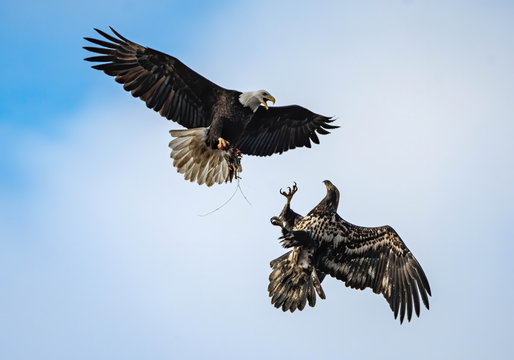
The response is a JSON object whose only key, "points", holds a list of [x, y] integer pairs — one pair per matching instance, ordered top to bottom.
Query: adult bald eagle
{"points": [[222, 124], [323, 243]]}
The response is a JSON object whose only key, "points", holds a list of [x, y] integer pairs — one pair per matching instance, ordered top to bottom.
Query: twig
{"points": [[230, 198]]}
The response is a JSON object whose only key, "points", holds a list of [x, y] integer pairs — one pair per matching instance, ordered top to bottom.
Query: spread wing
{"points": [[162, 81], [282, 128], [376, 258]]}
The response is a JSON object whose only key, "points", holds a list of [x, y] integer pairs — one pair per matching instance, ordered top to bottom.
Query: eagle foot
{"points": [[223, 144], [291, 191], [275, 220]]}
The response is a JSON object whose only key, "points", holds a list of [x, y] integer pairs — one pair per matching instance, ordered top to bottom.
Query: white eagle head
{"points": [[253, 99]]}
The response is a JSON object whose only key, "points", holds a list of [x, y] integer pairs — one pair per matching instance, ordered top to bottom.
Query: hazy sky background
{"points": [[103, 254]]}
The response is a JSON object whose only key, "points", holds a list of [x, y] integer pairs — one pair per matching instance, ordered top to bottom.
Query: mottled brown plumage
{"points": [[324, 243]]}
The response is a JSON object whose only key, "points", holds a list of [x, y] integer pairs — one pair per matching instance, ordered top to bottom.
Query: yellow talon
{"points": [[223, 144], [290, 193]]}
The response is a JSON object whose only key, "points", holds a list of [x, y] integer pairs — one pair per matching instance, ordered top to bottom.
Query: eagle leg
{"points": [[223, 144], [235, 162], [234, 170], [290, 192], [275, 220], [317, 284]]}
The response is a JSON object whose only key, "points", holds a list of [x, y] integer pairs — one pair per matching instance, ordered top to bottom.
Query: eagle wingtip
{"points": [[118, 34]]}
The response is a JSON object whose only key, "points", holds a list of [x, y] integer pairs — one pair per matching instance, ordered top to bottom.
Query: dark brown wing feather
{"points": [[162, 81], [282, 128], [376, 258]]}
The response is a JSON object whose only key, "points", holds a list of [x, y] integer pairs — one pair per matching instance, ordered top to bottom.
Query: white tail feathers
{"points": [[198, 162]]}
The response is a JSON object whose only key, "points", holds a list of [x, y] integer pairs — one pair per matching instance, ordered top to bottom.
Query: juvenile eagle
{"points": [[221, 124], [323, 243]]}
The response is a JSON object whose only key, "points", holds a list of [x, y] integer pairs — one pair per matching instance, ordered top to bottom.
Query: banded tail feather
{"points": [[198, 162], [293, 282]]}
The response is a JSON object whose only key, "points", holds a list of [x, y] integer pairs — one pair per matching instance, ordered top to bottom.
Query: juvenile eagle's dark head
{"points": [[332, 196], [330, 202]]}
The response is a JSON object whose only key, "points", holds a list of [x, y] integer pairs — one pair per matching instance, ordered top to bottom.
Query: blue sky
{"points": [[102, 254]]}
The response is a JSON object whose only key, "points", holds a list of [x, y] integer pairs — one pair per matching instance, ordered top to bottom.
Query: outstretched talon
{"points": [[223, 144], [289, 194], [275, 220]]}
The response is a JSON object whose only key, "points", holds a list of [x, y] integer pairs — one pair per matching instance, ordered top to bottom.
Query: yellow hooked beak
{"points": [[266, 98], [328, 184]]}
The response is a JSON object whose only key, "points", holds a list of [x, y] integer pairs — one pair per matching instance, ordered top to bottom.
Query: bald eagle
{"points": [[221, 124], [323, 243]]}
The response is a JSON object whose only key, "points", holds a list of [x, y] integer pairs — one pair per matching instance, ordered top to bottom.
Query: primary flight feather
{"points": [[221, 124]]}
